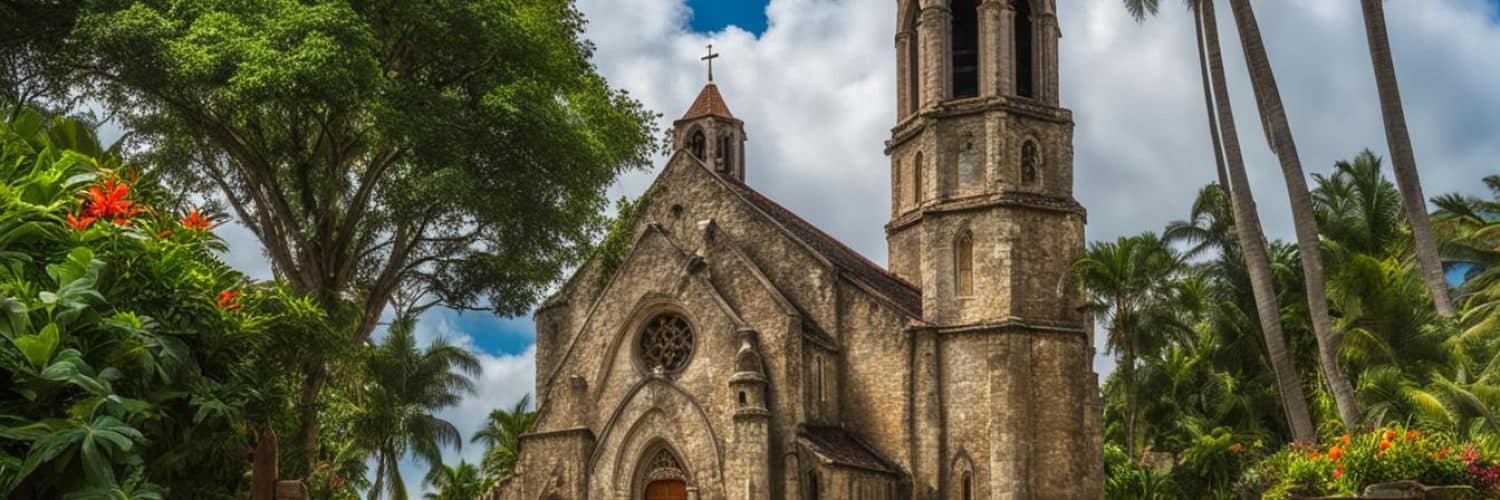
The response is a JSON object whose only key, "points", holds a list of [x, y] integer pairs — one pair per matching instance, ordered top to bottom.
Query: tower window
{"points": [[965, 48], [1023, 59], [698, 144], [1030, 159], [725, 162], [916, 180], [963, 251], [742, 398], [812, 486], [968, 486]]}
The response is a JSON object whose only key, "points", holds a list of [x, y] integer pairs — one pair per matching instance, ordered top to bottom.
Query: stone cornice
{"points": [[1031, 108], [1022, 199]]}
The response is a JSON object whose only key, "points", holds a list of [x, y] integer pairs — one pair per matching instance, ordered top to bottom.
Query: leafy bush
{"points": [[135, 361], [1347, 464]]}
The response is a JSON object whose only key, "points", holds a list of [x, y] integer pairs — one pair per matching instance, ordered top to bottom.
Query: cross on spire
{"points": [[710, 59]]}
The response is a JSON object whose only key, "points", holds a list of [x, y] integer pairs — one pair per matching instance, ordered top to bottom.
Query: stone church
{"points": [[736, 351]]}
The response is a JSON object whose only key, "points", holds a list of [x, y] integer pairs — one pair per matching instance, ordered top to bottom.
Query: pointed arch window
{"points": [[965, 48], [913, 56], [1025, 86], [698, 144], [1031, 158], [725, 160], [916, 180], [963, 265], [812, 485], [968, 486]]}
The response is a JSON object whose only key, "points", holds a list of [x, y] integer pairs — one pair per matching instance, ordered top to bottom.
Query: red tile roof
{"points": [[708, 103], [904, 294], [842, 447]]}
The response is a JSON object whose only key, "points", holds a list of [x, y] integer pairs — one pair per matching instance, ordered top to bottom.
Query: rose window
{"points": [[667, 343]]}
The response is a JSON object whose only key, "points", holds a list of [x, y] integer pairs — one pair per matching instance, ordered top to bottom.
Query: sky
{"points": [[814, 81]]}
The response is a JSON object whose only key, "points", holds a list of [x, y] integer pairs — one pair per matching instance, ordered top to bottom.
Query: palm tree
{"points": [[1140, 9], [1279, 134], [1403, 160], [1248, 228], [1473, 229], [1126, 281], [408, 385], [501, 436], [459, 482]]}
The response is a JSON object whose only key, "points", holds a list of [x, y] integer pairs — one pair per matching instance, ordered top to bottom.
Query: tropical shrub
{"points": [[134, 361], [1345, 465]]}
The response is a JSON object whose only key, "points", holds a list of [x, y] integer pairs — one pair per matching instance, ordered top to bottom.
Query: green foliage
{"points": [[134, 358], [1201, 381], [403, 387], [501, 436], [459, 482]]}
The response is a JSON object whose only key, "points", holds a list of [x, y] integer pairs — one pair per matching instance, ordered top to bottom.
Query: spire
{"points": [[708, 103], [710, 132]]}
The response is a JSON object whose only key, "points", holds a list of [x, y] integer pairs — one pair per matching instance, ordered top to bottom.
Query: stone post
{"points": [[991, 32]]}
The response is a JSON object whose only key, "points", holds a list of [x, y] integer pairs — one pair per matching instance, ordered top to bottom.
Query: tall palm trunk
{"points": [[1208, 99], [1279, 132], [1403, 160], [1252, 246], [1122, 325]]}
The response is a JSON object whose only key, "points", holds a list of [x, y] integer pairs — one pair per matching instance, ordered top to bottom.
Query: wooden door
{"points": [[666, 489]]}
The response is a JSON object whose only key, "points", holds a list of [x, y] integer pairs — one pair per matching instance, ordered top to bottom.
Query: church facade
{"points": [[736, 351]]}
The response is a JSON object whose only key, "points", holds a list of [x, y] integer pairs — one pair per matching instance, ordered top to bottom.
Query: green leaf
{"points": [[38, 348]]}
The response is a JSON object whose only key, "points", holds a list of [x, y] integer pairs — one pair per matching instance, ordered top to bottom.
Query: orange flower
{"points": [[110, 202], [196, 221], [80, 224], [229, 300], [1412, 434], [1389, 435], [1345, 440], [1385, 445], [1335, 452], [1443, 453]]}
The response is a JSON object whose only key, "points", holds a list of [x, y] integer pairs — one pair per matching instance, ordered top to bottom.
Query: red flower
{"points": [[110, 202], [196, 221], [80, 224], [229, 300], [1412, 434], [1389, 435], [1385, 445], [1335, 452], [1443, 453], [1339, 472]]}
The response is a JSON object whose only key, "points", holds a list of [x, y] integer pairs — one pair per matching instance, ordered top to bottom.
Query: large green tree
{"points": [[459, 145]]}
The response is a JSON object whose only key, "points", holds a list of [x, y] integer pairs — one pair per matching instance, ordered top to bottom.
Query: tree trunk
{"points": [[1208, 100], [1279, 132], [1403, 160], [1253, 247], [316, 376], [1130, 389], [379, 477]]}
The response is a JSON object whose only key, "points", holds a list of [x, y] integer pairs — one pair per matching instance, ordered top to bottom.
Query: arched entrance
{"points": [[661, 475], [667, 489]]}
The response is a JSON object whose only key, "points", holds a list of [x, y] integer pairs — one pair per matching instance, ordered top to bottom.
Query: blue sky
{"points": [[714, 15]]}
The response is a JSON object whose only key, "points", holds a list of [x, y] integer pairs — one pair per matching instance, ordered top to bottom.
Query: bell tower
{"points": [[982, 208], [983, 218]]}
